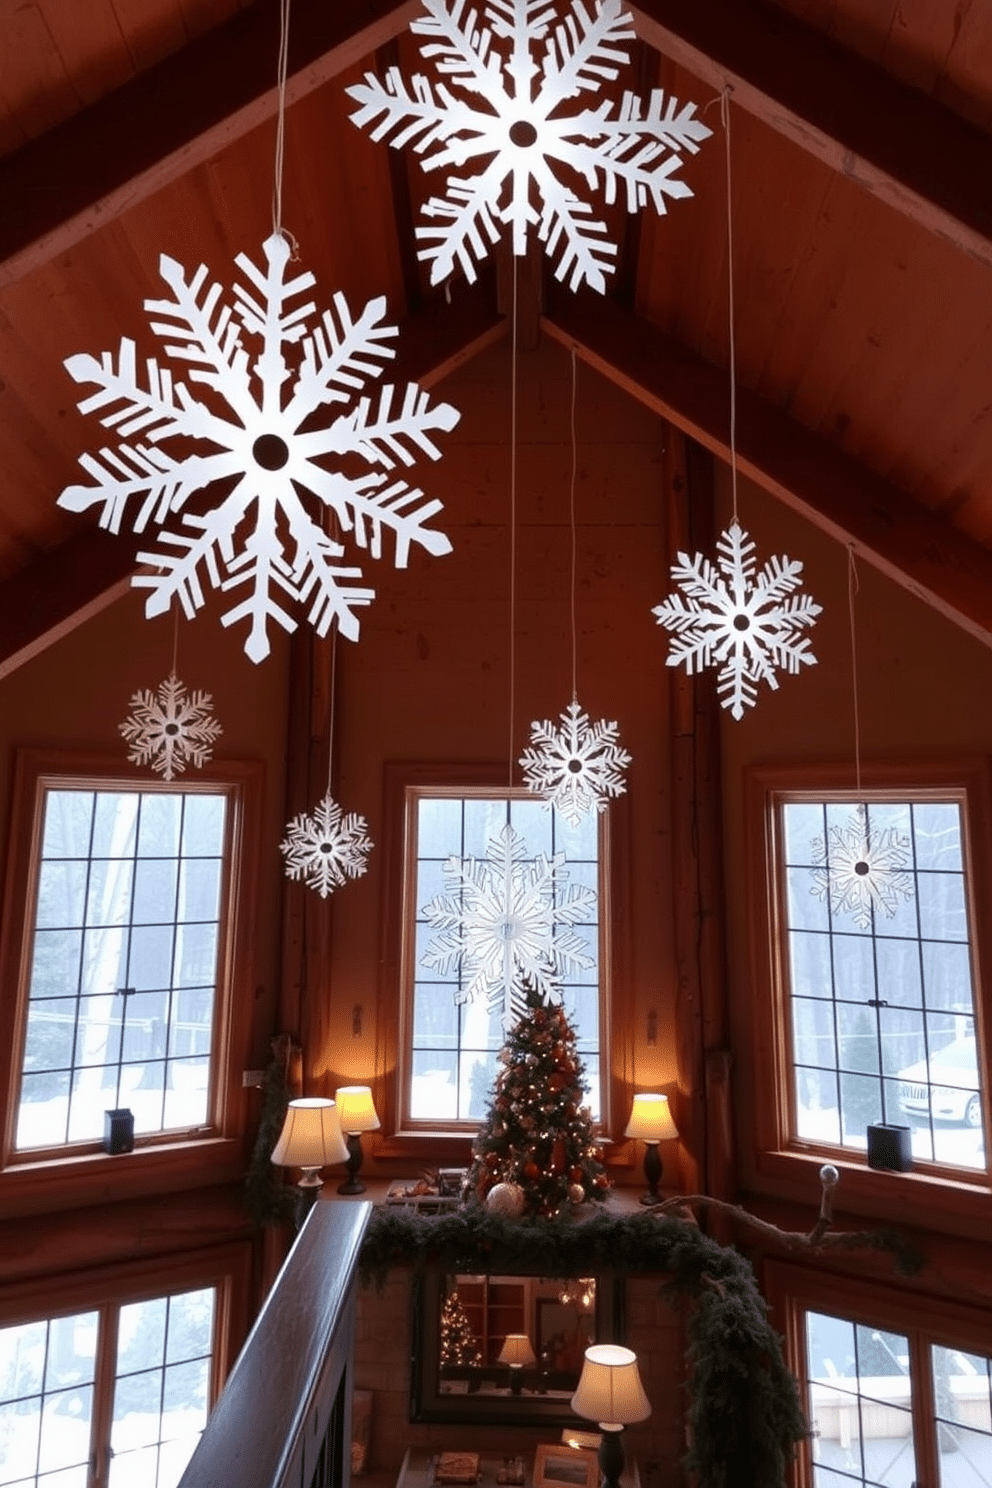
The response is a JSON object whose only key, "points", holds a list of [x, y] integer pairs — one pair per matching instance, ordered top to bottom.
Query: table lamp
{"points": [[358, 1114], [651, 1122], [310, 1139], [518, 1353], [611, 1394]]}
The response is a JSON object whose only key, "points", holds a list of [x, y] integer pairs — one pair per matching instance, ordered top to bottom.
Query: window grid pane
{"points": [[120, 1005], [882, 1009], [454, 1044], [962, 1384], [46, 1398], [860, 1404]]}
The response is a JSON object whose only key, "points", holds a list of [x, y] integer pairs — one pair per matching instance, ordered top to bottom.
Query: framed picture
{"points": [[565, 1467]]}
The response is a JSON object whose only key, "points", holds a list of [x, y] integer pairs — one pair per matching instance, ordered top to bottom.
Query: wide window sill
{"points": [[54, 1182]]}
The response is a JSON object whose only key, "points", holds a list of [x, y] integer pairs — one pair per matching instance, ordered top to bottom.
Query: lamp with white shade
{"points": [[358, 1114], [651, 1122], [310, 1140], [518, 1352], [611, 1394]]}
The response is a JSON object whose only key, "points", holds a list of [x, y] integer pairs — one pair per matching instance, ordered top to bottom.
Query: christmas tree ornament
{"points": [[498, 122], [170, 728], [577, 768], [326, 847], [862, 869], [507, 922], [576, 1193], [506, 1199]]}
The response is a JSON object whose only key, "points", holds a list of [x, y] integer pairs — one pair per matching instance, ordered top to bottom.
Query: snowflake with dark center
{"points": [[508, 120], [255, 447], [747, 623], [171, 728], [577, 768], [326, 848], [864, 870], [506, 924]]}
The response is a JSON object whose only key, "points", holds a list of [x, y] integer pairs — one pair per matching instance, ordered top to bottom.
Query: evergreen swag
{"points": [[537, 1132], [267, 1200], [744, 1415]]}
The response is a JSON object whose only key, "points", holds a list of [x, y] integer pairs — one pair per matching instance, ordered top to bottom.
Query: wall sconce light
{"points": [[358, 1114], [651, 1122], [310, 1139], [518, 1353], [611, 1394]]}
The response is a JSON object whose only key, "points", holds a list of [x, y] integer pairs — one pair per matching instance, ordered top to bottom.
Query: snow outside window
{"points": [[497, 884], [880, 975]]}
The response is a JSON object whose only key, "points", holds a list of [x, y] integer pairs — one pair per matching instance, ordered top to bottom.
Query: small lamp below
{"points": [[358, 1114], [651, 1122], [310, 1139], [518, 1353], [611, 1394]]}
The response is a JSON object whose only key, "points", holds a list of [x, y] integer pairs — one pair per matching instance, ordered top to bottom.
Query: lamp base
{"points": [[652, 1174], [351, 1184], [611, 1456]]}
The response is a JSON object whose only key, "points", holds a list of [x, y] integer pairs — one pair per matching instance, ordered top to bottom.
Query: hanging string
{"points": [[281, 116], [725, 116], [571, 515], [513, 521], [852, 589], [175, 639], [331, 707]]}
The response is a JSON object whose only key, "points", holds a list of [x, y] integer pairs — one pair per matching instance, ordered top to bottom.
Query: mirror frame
{"points": [[426, 1400]]}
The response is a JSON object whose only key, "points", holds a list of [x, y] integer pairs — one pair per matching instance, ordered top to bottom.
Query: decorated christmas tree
{"points": [[538, 1133], [458, 1345]]}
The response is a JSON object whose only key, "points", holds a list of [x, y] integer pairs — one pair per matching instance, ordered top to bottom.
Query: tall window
{"points": [[491, 877], [880, 973], [115, 1395]]}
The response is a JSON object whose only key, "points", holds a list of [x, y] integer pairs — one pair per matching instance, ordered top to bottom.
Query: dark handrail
{"points": [[289, 1392]]}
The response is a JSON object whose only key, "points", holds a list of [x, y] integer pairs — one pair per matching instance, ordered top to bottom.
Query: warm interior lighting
{"points": [[358, 1114], [651, 1122], [310, 1139], [517, 1351], [610, 1392]]}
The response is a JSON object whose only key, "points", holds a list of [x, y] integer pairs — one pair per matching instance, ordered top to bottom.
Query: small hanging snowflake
{"points": [[506, 120], [270, 444], [744, 622], [171, 728], [577, 768], [325, 849], [863, 869], [506, 924]]}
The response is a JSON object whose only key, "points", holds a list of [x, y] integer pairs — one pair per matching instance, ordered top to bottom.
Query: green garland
{"points": [[267, 1199], [745, 1415]]}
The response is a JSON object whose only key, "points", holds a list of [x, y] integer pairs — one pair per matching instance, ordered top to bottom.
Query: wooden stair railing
{"points": [[283, 1419]]}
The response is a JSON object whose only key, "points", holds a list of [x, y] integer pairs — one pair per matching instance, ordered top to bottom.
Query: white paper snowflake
{"points": [[513, 76], [270, 440], [744, 622], [171, 728], [577, 768], [325, 848], [863, 869], [507, 921]]}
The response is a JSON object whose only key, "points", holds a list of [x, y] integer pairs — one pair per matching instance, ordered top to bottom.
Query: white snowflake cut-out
{"points": [[499, 110], [284, 445], [744, 621], [171, 728], [577, 768], [325, 848], [863, 870], [506, 923]]}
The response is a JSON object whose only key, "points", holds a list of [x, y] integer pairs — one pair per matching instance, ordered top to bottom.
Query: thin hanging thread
{"points": [[283, 70], [725, 116], [571, 514], [513, 522], [852, 589], [175, 639], [331, 707]]}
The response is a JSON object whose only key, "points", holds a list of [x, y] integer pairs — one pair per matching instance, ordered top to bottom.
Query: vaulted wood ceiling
{"points": [[862, 228]]}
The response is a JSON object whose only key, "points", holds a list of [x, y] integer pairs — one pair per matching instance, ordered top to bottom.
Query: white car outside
{"points": [[946, 1086]]}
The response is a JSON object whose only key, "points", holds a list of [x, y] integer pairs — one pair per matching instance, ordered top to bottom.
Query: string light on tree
{"points": [[458, 1342]]}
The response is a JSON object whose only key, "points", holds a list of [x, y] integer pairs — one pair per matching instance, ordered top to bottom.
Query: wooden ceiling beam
{"points": [[900, 145], [71, 181], [914, 547], [51, 597]]}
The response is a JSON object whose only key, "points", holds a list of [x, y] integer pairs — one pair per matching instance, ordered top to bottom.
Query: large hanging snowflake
{"points": [[506, 121], [267, 436], [745, 622], [170, 728], [577, 768], [325, 849], [863, 869], [506, 923]]}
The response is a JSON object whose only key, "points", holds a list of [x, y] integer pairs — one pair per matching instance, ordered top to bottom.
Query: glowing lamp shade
{"points": [[356, 1108], [651, 1119], [310, 1138], [517, 1351], [610, 1390]]}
